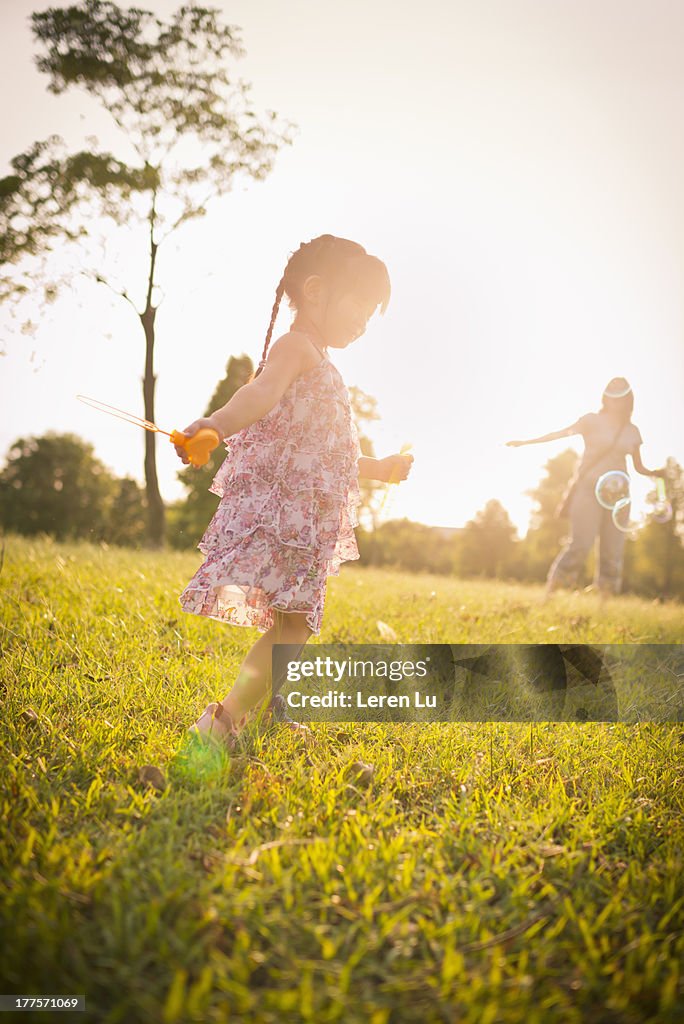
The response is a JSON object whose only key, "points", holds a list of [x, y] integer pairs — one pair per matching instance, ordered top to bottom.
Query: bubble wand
{"points": [[199, 447], [394, 477], [662, 511]]}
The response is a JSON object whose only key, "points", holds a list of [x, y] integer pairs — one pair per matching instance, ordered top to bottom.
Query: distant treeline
{"points": [[54, 484], [654, 561]]}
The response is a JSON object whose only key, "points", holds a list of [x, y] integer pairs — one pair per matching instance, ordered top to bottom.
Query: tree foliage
{"points": [[187, 121], [187, 131], [55, 484], [126, 519], [488, 542], [415, 547]]}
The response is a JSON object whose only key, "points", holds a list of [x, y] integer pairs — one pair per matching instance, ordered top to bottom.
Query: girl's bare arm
{"points": [[288, 357], [286, 360], [393, 468]]}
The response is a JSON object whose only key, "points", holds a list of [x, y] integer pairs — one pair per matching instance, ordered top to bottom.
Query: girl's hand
{"points": [[205, 421], [515, 444], [394, 468]]}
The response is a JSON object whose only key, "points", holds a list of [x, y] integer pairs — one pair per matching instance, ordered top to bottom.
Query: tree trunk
{"points": [[156, 520]]}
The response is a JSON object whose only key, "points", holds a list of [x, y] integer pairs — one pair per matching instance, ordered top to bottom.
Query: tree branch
{"points": [[189, 213], [153, 251], [101, 280]]}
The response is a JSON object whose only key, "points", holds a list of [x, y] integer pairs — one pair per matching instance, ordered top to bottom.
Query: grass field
{"points": [[487, 873]]}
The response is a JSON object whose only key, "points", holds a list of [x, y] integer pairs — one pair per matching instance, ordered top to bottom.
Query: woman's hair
{"points": [[343, 264], [618, 397]]}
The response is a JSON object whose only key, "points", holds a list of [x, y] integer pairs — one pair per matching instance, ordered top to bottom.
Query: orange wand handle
{"points": [[199, 447]]}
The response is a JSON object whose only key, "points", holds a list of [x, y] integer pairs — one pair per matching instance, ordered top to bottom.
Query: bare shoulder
{"points": [[294, 350], [288, 357]]}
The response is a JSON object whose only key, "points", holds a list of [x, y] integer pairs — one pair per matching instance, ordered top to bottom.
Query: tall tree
{"points": [[192, 131]]}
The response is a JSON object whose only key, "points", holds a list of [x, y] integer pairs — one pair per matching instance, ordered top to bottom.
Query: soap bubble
{"points": [[611, 488], [624, 519]]}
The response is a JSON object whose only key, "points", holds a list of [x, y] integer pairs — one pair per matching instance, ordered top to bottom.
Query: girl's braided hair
{"points": [[344, 264]]}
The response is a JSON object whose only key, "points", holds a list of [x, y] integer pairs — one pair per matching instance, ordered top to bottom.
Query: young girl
{"points": [[609, 435], [289, 484]]}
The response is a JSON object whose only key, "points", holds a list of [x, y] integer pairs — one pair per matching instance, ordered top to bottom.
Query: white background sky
{"points": [[518, 165]]}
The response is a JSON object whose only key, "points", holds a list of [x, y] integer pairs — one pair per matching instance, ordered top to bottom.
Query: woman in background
{"points": [[609, 436]]}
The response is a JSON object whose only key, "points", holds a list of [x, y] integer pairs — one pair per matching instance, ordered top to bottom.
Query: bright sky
{"points": [[518, 164]]}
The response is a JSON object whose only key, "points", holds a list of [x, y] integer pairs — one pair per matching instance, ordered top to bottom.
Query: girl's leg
{"points": [[585, 518], [254, 680]]}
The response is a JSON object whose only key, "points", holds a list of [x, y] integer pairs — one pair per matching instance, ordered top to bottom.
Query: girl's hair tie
{"points": [[618, 387]]}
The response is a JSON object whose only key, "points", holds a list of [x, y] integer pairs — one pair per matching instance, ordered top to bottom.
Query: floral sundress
{"points": [[289, 504]]}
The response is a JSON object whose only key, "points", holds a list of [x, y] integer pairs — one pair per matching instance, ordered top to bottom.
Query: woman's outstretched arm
{"points": [[553, 436]]}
